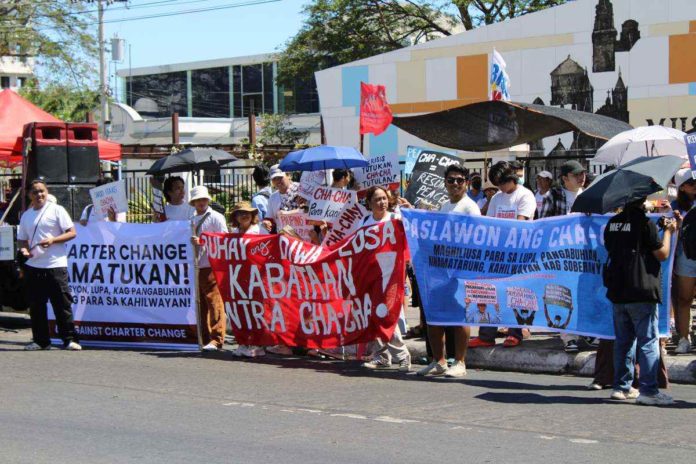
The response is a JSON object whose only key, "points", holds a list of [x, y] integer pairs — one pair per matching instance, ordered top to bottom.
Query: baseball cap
{"points": [[571, 167], [276, 172], [545, 174], [682, 176]]}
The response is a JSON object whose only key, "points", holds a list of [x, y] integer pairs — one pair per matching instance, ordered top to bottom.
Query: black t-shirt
{"points": [[621, 239]]}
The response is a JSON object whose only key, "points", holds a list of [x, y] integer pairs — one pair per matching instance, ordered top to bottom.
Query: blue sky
{"points": [[245, 30]]}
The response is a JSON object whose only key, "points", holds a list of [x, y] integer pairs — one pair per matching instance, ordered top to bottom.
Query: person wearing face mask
{"points": [[513, 201], [44, 228]]}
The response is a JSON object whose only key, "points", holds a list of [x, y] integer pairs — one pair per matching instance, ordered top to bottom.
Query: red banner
{"points": [[375, 113], [280, 290]]}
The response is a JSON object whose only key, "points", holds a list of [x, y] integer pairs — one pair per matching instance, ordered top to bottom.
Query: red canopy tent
{"points": [[15, 112]]}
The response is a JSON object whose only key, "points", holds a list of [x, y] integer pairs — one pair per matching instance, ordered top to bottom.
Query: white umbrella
{"points": [[642, 141]]}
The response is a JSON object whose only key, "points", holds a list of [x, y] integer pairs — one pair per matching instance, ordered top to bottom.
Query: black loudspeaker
{"points": [[83, 153], [48, 156], [74, 198]]}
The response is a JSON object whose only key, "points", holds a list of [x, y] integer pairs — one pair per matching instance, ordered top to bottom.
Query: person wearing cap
{"points": [[543, 181], [475, 192], [283, 199], [560, 199], [558, 202], [245, 221], [684, 282], [211, 309]]}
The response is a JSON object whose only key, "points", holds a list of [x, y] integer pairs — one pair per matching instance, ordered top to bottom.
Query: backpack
{"points": [[688, 234], [629, 278]]}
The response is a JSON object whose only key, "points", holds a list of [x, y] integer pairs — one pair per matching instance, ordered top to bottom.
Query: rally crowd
{"points": [[46, 226]]}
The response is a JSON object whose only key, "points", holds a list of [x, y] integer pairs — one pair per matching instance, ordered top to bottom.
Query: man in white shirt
{"points": [[456, 179], [283, 199], [513, 201], [43, 230], [211, 307]]}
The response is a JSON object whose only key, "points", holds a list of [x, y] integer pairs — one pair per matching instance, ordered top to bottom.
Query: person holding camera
{"points": [[43, 230], [632, 279]]}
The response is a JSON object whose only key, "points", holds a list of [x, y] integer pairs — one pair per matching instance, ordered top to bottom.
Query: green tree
{"points": [[341, 31], [60, 35], [66, 102], [277, 129]]}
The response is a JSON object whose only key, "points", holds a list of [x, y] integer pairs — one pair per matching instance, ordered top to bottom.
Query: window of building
{"points": [[21, 81], [5, 82], [210, 90], [158, 95]]}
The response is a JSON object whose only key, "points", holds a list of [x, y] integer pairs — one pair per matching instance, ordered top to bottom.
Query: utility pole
{"points": [[102, 69]]}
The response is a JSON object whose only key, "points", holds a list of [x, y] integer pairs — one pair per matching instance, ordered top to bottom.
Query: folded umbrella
{"points": [[323, 157], [191, 159], [632, 181]]}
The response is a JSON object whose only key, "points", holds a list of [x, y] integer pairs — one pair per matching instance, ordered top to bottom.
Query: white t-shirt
{"points": [[570, 198], [539, 200], [280, 201], [520, 202], [466, 206], [182, 212], [120, 217], [370, 220], [52, 221], [215, 222], [253, 229]]}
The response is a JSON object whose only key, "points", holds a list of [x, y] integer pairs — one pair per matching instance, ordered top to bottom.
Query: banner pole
{"points": [[195, 287]]}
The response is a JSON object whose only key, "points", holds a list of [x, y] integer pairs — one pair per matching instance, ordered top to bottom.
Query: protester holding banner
{"points": [[544, 180], [283, 199], [259, 200], [513, 201], [378, 202], [459, 202], [176, 208], [245, 221], [43, 230], [632, 278], [684, 283], [211, 309]]}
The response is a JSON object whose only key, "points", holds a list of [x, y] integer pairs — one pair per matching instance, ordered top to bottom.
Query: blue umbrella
{"points": [[323, 157]]}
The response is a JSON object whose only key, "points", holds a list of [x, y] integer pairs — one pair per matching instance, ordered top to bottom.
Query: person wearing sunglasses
{"points": [[456, 183]]}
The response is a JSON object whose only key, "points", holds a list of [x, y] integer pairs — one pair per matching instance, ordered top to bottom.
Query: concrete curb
{"points": [[682, 369]]}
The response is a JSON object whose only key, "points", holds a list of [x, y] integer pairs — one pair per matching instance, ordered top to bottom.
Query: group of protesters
{"points": [[46, 226]]}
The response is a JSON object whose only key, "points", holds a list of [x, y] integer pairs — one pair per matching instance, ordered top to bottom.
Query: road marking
{"points": [[234, 403], [312, 411], [350, 416], [394, 420], [547, 437], [583, 441]]}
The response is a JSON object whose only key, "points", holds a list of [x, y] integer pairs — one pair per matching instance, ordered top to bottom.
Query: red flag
{"points": [[375, 113]]}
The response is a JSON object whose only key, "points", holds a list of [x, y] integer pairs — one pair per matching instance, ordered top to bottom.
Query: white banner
{"points": [[382, 170], [326, 203], [351, 219], [7, 252], [133, 285]]}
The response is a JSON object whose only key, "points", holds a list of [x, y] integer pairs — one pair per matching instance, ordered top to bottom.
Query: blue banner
{"points": [[690, 140], [499, 272]]}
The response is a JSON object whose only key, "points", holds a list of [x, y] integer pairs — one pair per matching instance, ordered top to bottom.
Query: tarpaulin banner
{"points": [[375, 112], [426, 188], [545, 274], [133, 285], [280, 290]]}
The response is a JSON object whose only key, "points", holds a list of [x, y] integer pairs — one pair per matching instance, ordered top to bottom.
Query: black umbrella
{"points": [[191, 159], [629, 182]]}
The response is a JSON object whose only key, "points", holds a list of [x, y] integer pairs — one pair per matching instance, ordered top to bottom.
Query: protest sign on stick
{"points": [[382, 170], [427, 184], [109, 196], [326, 203], [297, 219], [350, 220]]}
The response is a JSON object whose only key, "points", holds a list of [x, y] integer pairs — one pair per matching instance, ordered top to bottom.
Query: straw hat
{"points": [[488, 185], [199, 192], [246, 207]]}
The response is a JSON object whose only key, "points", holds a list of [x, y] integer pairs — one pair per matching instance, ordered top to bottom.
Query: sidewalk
{"points": [[544, 354]]}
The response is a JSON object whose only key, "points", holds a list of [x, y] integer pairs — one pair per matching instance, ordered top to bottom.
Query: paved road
{"points": [[100, 406]]}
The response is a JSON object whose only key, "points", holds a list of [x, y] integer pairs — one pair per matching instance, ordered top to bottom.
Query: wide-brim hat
{"points": [[682, 176], [198, 193], [244, 206]]}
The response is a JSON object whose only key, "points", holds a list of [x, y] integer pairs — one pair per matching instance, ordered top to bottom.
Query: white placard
{"points": [[382, 170], [107, 196], [7, 250]]}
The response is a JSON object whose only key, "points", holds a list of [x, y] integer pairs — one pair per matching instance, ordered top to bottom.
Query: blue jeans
{"points": [[635, 326]]}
